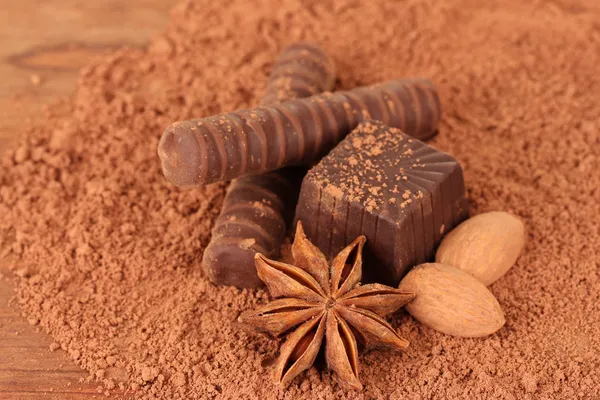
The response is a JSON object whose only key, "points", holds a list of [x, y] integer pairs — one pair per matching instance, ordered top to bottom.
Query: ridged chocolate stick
{"points": [[302, 69], [297, 132], [257, 208]]}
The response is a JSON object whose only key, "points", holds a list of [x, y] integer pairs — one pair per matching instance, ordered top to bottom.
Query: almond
{"points": [[485, 246], [451, 301]]}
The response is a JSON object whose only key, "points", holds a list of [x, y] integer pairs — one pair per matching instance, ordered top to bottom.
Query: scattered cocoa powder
{"points": [[107, 250]]}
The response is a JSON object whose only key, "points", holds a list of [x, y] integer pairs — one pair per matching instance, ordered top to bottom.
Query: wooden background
{"points": [[43, 43]]}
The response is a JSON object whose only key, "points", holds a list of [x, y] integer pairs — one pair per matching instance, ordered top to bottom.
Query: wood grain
{"points": [[48, 41], [43, 44]]}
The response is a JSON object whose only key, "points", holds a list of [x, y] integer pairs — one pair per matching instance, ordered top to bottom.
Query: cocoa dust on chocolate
{"points": [[400, 193], [107, 250]]}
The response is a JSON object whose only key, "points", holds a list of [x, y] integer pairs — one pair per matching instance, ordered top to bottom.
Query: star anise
{"points": [[328, 303]]}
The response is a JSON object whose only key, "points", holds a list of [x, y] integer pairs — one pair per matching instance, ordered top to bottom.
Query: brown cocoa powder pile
{"points": [[107, 251]]}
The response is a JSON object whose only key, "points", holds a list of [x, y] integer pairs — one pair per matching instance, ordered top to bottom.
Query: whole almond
{"points": [[485, 246], [451, 301]]}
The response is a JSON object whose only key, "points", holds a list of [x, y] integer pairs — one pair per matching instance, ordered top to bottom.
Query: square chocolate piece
{"points": [[402, 194]]}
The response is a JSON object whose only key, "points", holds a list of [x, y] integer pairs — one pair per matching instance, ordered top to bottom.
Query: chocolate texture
{"points": [[303, 69], [296, 132], [402, 194], [257, 208]]}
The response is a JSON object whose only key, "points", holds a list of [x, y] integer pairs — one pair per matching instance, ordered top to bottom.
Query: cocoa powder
{"points": [[107, 251]]}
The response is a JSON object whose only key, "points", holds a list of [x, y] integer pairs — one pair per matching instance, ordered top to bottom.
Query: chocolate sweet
{"points": [[302, 69], [297, 132], [402, 194], [257, 208], [254, 219]]}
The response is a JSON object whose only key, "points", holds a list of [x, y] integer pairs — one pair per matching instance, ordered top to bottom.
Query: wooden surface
{"points": [[43, 43]]}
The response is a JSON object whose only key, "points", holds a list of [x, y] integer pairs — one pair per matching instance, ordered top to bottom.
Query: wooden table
{"points": [[43, 43]]}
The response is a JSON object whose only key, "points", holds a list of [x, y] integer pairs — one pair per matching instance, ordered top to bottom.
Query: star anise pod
{"points": [[325, 304]]}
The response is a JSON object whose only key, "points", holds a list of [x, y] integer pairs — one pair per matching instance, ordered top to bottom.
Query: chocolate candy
{"points": [[303, 69], [297, 132], [379, 182], [257, 208], [254, 219]]}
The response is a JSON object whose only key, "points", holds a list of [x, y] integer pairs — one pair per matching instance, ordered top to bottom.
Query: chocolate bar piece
{"points": [[302, 69], [297, 132], [402, 194], [257, 208], [254, 219]]}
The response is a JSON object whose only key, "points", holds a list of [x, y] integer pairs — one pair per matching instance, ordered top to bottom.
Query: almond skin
{"points": [[485, 246], [451, 301]]}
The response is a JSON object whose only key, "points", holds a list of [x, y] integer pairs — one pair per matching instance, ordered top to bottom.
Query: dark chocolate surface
{"points": [[302, 69], [297, 132], [402, 194], [258, 208], [254, 219]]}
